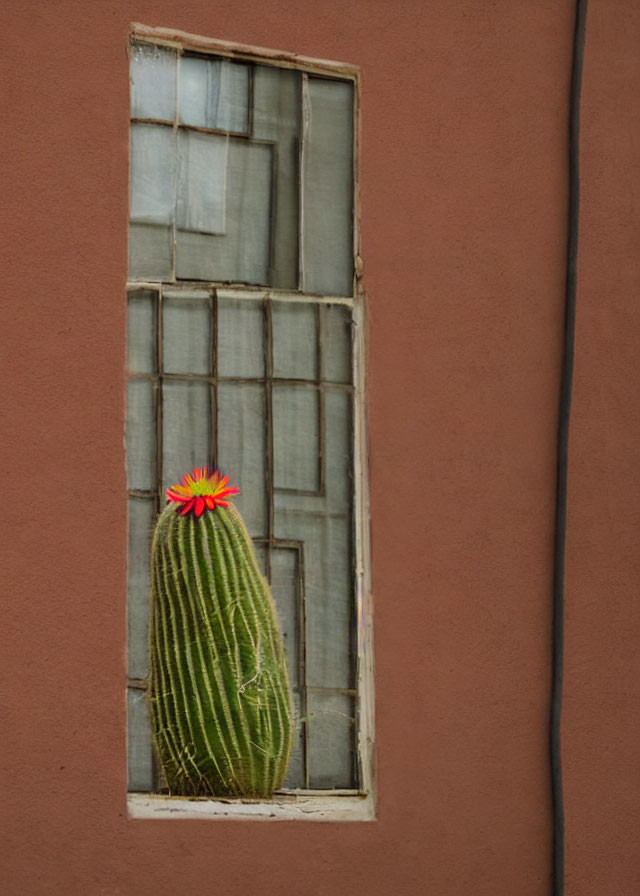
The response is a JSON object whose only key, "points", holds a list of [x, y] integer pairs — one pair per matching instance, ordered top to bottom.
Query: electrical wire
{"points": [[564, 415]]}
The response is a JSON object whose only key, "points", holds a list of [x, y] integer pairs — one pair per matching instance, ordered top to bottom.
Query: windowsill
{"points": [[318, 806]]}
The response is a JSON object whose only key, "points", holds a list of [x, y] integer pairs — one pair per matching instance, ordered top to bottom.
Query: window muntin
{"points": [[261, 382]]}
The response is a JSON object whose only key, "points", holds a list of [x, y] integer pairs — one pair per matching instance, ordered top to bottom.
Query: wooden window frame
{"points": [[312, 805]]}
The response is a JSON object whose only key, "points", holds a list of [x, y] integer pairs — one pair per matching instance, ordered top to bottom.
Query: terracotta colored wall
{"points": [[463, 219]]}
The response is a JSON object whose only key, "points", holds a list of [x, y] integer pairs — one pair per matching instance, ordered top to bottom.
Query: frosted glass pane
{"points": [[153, 82], [214, 93], [276, 103], [276, 117], [202, 170], [153, 173], [327, 190], [150, 252], [242, 254], [186, 332], [141, 333], [240, 337], [295, 341], [336, 344], [186, 428], [141, 435], [296, 437], [242, 449], [338, 450], [338, 463], [141, 522], [261, 550], [285, 586], [328, 590], [329, 615], [331, 732], [139, 755], [295, 778]]}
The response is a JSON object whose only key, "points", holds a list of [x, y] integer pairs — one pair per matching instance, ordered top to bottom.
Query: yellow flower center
{"points": [[201, 487]]}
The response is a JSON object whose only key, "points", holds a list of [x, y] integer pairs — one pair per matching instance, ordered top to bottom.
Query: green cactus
{"points": [[219, 692]]}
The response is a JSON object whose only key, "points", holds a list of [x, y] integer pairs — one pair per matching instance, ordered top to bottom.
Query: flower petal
{"points": [[184, 510]]}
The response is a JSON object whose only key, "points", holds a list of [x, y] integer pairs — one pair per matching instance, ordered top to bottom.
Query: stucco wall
{"points": [[464, 164]]}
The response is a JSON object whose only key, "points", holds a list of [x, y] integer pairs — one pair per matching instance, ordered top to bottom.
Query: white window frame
{"points": [[310, 805]]}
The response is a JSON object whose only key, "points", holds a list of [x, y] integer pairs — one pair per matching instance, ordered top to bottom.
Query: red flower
{"points": [[201, 490]]}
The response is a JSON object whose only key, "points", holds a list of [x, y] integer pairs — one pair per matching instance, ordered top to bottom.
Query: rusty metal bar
{"points": [[250, 98], [162, 122], [201, 129], [304, 132], [272, 213], [174, 241], [268, 367], [278, 381], [214, 385], [158, 393], [322, 421], [302, 661], [330, 692], [156, 765]]}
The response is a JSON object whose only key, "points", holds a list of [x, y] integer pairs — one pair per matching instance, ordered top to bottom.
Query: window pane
{"points": [[153, 82], [214, 93], [276, 117], [202, 171], [153, 172], [327, 195], [150, 252], [242, 253], [186, 332], [240, 337], [295, 340], [141, 343], [336, 344], [186, 428], [141, 435], [296, 437], [242, 449], [338, 483], [141, 522], [261, 550], [285, 584], [328, 590], [331, 730], [139, 754], [295, 777]]}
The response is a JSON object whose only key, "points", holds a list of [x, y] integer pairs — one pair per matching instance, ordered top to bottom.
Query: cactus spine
{"points": [[219, 690]]}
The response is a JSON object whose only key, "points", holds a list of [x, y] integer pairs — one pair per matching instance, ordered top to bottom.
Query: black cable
{"points": [[564, 415]]}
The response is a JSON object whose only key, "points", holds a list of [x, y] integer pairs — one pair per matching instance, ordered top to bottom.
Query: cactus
{"points": [[219, 692]]}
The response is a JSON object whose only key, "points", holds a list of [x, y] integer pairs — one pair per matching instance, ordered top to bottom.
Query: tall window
{"points": [[244, 354]]}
